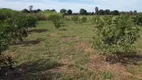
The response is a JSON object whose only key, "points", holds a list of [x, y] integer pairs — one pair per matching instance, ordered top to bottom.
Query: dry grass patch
{"points": [[54, 35], [84, 46], [119, 71]]}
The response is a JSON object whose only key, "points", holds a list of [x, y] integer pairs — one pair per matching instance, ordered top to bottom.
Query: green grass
{"points": [[64, 54]]}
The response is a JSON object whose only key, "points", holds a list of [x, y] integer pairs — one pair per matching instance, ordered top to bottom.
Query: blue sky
{"points": [[75, 5]]}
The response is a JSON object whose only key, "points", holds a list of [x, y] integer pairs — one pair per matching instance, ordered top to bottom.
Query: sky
{"points": [[75, 5]]}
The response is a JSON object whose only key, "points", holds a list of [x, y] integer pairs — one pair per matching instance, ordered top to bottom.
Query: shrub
{"points": [[7, 13], [40, 17], [67, 18], [75, 18], [56, 19], [83, 19], [94, 19], [138, 19], [30, 21], [17, 23], [13, 25], [115, 34], [4, 37], [6, 62]]}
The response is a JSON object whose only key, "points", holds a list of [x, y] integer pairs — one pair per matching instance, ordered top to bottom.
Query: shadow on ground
{"points": [[62, 29], [38, 30], [29, 42], [125, 58], [37, 70]]}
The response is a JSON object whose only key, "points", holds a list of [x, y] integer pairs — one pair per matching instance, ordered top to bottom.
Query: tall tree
{"points": [[30, 8], [38, 10], [50, 10], [53, 10], [96, 10], [25, 11], [64, 11], [69, 12], [83, 12], [101, 12], [107, 12], [115, 12], [131, 12], [135, 12]]}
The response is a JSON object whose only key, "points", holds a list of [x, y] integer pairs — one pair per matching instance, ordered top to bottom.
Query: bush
{"points": [[7, 13], [40, 17], [67, 18], [75, 18], [56, 19], [83, 19], [94, 19], [138, 19], [30, 21], [17, 23], [13, 25], [115, 34], [4, 37], [6, 62]]}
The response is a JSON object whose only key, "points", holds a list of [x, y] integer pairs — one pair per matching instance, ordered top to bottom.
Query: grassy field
{"points": [[67, 54]]}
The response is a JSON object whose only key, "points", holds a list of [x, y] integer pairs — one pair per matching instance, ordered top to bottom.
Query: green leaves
{"points": [[75, 18], [56, 19], [83, 19], [137, 19], [13, 26], [115, 34], [4, 38]]}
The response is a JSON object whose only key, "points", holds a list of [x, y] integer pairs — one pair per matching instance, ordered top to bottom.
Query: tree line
{"points": [[82, 11]]}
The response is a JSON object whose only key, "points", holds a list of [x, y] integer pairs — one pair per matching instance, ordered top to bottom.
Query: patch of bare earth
{"points": [[53, 35], [67, 39], [70, 39], [84, 46], [98, 63], [67, 68]]}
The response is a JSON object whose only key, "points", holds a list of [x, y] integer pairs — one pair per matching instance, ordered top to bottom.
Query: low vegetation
{"points": [[57, 19], [13, 26], [115, 34], [46, 45]]}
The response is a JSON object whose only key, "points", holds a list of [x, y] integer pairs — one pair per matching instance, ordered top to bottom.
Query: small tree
{"points": [[75, 18], [56, 19], [83, 19], [138, 20], [13, 25], [115, 34], [4, 37], [6, 62]]}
